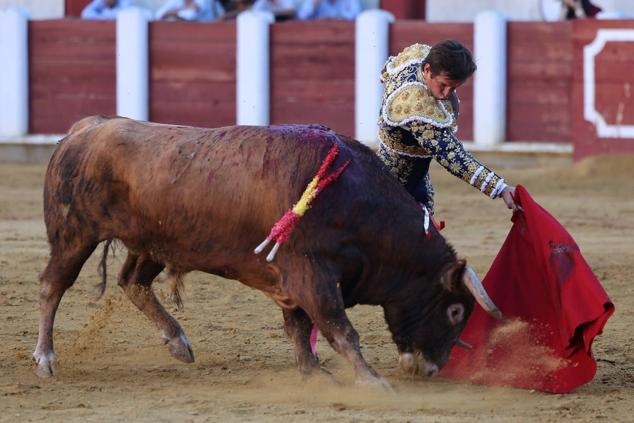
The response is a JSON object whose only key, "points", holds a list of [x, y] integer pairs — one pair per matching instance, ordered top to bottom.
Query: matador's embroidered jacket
{"points": [[414, 127]]}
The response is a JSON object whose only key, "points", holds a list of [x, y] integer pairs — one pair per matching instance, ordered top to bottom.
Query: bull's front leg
{"points": [[328, 312], [345, 340]]}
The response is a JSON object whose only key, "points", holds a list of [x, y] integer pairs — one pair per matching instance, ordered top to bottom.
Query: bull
{"points": [[183, 198]]}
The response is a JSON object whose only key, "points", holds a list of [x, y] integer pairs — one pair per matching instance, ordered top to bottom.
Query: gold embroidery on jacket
{"points": [[413, 54], [413, 102], [414, 126]]}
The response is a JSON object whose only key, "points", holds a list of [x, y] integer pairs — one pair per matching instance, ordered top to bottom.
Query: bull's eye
{"points": [[455, 313]]}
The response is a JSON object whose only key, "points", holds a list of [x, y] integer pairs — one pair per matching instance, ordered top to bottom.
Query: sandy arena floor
{"points": [[112, 365]]}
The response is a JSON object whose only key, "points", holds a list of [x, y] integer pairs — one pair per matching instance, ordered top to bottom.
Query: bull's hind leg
{"points": [[59, 275], [136, 278], [298, 325]]}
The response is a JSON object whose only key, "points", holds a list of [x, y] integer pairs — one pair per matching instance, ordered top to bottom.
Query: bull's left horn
{"points": [[474, 285]]}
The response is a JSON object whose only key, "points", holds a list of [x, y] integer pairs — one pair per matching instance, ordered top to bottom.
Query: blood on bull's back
{"points": [[146, 178]]}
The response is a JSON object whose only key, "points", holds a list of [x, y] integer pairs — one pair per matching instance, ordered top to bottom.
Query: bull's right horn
{"points": [[474, 285]]}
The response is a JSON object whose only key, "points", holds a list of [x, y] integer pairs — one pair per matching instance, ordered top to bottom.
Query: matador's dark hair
{"points": [[452, 58]]}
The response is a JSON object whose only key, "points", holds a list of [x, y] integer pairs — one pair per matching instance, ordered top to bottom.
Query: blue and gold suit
{"points": [[414, 127]]}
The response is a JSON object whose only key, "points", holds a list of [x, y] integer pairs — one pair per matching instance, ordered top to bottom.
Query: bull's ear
{"points": [[451, 279]]}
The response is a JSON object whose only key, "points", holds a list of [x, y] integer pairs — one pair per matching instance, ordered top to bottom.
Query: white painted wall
{"points": [[155, 4], [152, 5], [616, 8], [38, 9], [54, 9], [437, 10], [466, 10], [515, 10], [371, 52], [132, 64], [253, 68], [14, 73], [489, 88]]}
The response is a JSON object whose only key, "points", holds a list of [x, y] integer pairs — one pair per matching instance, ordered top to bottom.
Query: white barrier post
{"points": [[371, 52], [132, 64], [253, 68], [14, 73], [489, 106]]}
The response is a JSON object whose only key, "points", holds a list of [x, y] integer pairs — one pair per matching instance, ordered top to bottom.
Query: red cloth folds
{"points": [[557, 306]]}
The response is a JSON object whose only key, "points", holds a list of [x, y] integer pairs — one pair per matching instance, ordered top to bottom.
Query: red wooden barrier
{"points": [[74, 7], [405, 9], [405, 33], [71, 72], [193, 73], [312, 74], [192, 76], [539, 81], [613, 83]]}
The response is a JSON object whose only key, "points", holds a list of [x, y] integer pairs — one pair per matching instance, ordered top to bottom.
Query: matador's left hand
{"points": [[508, 195]]}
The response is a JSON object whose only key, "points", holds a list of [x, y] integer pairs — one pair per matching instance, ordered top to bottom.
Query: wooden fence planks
{"points": [[71, 72], [193, 73], [312, 74]]}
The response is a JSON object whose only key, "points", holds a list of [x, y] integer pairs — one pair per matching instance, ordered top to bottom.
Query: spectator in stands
{"points": [[234, 7], [104, 9], [281, 9], [329, 9], [573, 9], [191, 10]]}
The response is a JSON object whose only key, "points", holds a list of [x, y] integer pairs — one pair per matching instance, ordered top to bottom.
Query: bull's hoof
{"points": [[180, 349], [44, 364], [319, 373], [375, 382]]}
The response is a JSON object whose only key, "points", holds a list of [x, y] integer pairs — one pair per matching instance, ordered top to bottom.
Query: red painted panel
{"points": [[74, 7], [405, 9], [405, 33], [72, 72], [193, 73], [312, 74], [613, 79], [539, 81], [614, 101]]}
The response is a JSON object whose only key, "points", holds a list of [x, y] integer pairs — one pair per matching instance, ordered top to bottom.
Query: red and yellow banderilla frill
{"points": [[284, 227]]}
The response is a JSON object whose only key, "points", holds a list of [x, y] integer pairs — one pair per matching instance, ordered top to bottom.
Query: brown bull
{"points": [[183, 199]]}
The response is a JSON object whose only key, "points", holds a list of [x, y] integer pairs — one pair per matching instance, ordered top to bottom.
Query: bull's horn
{"points": [[474, 285], [462, 344]]}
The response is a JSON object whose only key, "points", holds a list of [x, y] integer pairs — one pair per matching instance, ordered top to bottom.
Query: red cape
{"points": [[540, 281]]}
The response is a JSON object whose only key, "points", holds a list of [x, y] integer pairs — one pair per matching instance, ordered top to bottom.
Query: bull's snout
{"points": [[409, 363], [431, 369]]}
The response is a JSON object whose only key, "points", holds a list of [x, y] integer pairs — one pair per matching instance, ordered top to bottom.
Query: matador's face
{"points": [[440, 86]]}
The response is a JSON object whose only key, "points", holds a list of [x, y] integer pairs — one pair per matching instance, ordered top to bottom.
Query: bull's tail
{"points": [[102, 268]]}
